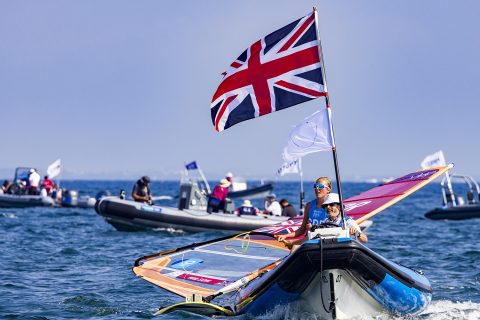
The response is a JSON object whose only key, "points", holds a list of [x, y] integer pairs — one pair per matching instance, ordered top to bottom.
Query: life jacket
{"points": [[141, 189], [246, 211]]}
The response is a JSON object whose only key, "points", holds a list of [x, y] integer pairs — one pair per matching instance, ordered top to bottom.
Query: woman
{"points": [[314, 213]]}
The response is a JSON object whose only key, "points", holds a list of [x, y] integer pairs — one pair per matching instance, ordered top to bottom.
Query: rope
{"points": [[246, 239]]}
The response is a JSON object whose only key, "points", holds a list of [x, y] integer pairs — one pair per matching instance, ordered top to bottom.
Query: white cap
{"points": [[229, 175], [224, 183], [332, 198], [247, 203]]}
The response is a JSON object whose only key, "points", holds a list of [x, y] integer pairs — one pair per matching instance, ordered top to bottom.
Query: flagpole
{"points": [[327, 102], [204, 179], [302, 193]]}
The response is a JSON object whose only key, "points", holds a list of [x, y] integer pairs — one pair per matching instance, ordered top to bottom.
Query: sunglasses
{"points": [[320, 186], [334, 204]]}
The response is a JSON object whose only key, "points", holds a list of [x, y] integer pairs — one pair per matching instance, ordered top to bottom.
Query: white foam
{"points": [[8, 215], [437, 310], [447, 310]]}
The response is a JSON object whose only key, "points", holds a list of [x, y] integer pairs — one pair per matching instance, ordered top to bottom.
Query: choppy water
{"points": [[59, 263]]}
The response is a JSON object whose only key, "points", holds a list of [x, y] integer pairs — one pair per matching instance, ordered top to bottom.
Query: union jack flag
{"points": [[276, 72]]}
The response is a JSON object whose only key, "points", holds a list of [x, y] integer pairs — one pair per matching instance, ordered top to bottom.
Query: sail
{"points": [[367, 204], [208, 268]]}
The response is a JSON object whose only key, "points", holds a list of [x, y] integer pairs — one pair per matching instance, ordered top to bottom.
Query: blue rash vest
{"points": [[316, 215]]}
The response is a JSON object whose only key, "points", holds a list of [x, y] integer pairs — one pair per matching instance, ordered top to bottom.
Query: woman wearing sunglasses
{"points": [[314, 213]]}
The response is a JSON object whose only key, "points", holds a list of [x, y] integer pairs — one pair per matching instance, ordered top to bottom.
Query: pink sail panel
{"points": [[367, 204]]}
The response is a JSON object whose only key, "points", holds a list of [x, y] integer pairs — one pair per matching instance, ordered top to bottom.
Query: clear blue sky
{"points": [[120, 88]]}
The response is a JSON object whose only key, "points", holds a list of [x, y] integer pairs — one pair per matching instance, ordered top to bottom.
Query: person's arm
{"points": [[355, 230], [300, 231]]}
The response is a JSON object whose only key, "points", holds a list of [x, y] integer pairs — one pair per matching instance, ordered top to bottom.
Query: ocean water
{"points": [[68, 263]]}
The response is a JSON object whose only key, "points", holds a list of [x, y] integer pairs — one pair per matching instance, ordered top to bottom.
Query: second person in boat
{"points": [[141, 190]]}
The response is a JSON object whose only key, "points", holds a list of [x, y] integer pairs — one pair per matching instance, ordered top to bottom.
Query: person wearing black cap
{"points": [[141, 190]]}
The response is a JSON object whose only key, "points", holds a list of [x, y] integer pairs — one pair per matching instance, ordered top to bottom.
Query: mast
{"points": [[327, 103]]}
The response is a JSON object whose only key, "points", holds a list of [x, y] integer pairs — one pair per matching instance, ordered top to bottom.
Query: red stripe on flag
{"points": [[297, 34], [236, 65], [268, 70], [299, 88], [222, 109]]}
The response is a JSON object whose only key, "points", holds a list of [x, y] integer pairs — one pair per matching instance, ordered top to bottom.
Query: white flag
{"points": [[313, 134], [434, 160], [288, 167], [54, 169]]}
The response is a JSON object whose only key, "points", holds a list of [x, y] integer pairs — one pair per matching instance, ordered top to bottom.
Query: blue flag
{"points": [[191, 166]]}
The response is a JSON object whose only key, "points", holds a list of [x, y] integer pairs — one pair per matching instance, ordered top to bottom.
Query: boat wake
{"points": [[8, 215], [169, 230], [445, 309], [437, 310]]}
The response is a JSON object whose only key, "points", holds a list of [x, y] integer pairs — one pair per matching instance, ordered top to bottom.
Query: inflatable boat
{"points": [[253, 193], [24, 201], [455, 207], [127, 215], [332, 276]]}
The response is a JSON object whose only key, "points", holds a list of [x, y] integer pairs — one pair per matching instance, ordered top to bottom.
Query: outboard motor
{"points": [[191, 197], [70, 198], [229, 206]]}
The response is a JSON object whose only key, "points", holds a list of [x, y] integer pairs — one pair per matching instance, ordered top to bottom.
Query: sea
{"points": [[68, 263]]}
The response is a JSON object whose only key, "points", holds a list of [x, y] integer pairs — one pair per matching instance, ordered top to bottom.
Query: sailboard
{"points": [[212, 269]]}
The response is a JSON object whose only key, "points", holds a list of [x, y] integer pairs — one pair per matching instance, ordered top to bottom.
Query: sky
{"points": [[118, 89]]}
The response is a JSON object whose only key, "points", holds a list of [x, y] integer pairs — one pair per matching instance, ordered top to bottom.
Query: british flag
{"points": [[276, 72]]}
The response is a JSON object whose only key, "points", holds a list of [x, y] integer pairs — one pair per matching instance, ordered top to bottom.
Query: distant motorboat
{"points": [[260, 191], [17, 198], [24, 201], [455, 207], [190, 215]]}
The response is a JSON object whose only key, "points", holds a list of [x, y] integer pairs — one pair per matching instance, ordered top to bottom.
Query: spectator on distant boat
{"points": [[229, 177], [33, 182], [47, 184], [6, 187], [141, 190], [218, 199], [272, 206], [247, 209], [287, 209], [314, 213]]}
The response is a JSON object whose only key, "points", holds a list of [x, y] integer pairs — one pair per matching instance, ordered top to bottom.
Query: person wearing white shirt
{"points": [[33, 182], [272, 206]]}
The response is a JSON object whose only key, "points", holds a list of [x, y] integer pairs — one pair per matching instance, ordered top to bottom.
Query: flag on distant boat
{"points": [[276, 72], [312, 135], [434, 160], [191, 166], [289, 167], [54, 169]]}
